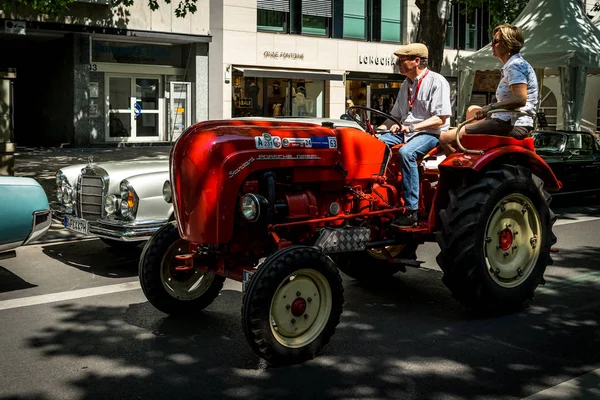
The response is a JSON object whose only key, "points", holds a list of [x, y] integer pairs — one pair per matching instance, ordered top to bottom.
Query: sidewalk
{"points": [[42, 164]]}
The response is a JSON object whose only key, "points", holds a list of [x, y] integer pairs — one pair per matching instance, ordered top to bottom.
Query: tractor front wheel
{"points": [[495, 240], [170, 290], [292, 305]]}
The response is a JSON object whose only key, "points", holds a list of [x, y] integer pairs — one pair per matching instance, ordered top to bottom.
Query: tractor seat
{"points": [[485, 142], [433, 152]]}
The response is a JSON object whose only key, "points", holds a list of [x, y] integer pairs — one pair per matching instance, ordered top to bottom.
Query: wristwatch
{"points": [[411, 128]]}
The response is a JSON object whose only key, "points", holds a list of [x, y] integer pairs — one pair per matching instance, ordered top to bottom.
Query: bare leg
{"points": [[448, 140]]}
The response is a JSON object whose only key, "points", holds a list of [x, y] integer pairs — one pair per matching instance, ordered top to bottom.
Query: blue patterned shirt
{"points": [[515, 71]]}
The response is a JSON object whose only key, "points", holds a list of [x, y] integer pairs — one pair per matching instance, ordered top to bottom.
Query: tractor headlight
{"points": [[167, 192], [110, 204], [251, 205]]}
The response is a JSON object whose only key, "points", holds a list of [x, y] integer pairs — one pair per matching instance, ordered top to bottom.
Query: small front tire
{"points": [[170, 291], [292, 305]]}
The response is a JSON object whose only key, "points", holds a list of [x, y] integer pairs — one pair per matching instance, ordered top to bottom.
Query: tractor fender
{"points": [[510, 154], [457, 165]]}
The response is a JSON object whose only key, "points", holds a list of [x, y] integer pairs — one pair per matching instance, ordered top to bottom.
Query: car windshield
{"points": [[549, 142]]}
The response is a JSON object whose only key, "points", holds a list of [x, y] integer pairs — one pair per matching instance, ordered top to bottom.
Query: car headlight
{"points": [[64, 191], [167, 192], [129, 200], [110, 204], [251, 205]]}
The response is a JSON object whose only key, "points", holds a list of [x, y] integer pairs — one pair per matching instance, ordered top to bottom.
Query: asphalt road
{"points": [[75, 325]]}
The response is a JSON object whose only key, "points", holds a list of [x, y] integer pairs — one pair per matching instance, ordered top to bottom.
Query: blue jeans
{"points": [[417, 146]]}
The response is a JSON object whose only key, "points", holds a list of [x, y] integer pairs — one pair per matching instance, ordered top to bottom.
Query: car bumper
{"points": [[126, 231]]}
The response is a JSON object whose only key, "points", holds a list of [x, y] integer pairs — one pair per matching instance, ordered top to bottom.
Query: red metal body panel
{"points": [[495, 147], [211, 160]]}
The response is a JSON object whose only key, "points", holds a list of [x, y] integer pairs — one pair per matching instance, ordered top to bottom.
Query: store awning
{"points": [[288, 74]]}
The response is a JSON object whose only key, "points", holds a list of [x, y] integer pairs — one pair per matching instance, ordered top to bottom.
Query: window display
{"points": [[280, 97]]}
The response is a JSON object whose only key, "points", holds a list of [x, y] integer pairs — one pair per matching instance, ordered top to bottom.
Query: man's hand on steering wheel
{"points": [[352, 112]]}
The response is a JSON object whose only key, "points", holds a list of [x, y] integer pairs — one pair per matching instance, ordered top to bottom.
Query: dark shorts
{"points": [[498, 127]]}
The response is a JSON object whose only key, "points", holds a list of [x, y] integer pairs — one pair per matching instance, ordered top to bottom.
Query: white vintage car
{"points": [[122, 202]]}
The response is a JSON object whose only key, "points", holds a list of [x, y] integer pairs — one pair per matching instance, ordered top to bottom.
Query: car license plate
{"points": [[78, 225], [246, 275]]}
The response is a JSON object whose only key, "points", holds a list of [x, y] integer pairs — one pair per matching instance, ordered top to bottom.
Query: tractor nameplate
{"points": [[343, 240]]}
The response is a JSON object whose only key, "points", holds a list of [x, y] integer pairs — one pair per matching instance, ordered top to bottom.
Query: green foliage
{"points": [[58, 7], [501, 11]]}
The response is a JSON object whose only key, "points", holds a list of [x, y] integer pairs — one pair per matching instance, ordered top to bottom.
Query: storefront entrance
{"points": [[135, 108]]}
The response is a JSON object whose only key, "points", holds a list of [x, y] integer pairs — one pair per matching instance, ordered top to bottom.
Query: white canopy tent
{"points": [[557, 35]]}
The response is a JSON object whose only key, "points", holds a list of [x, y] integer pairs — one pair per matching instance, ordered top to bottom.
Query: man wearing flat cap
{"points": [[423, 106]]}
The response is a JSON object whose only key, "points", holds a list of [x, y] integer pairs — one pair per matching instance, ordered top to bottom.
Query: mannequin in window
{"points": [[237, 90], [252, 92], [301, 99], [277, 109]]}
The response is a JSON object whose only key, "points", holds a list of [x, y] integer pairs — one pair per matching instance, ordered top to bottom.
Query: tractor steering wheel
{"points": [[359, 115]]}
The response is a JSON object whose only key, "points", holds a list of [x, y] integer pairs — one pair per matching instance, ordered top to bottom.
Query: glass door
{"points": [[134, 108]]}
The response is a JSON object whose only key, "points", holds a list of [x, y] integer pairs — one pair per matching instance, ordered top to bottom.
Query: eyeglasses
{"points": [[496, 41]]}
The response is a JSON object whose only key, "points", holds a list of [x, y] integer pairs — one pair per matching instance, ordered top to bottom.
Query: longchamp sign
{"points": [[374, 60]]}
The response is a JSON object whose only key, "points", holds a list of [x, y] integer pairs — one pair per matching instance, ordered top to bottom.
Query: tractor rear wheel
{"points": [[495, 240], [372, 265], [173, 291], [292, 305]]}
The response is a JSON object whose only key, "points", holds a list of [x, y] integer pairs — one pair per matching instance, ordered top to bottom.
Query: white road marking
{"points": [[574, 221], [70, 295]]}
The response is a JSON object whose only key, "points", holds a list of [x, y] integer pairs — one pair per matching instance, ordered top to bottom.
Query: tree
{"points": [[57, 7], [431, 29]]}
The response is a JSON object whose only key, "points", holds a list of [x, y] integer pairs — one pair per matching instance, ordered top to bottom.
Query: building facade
{"points": [[309, 57], [102, 75]]}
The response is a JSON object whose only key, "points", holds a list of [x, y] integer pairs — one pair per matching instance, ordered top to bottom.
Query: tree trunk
{"points": [[431, 31]]}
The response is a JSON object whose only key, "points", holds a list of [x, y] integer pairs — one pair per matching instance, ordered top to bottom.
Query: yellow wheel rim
{"points": [[512, 240], [300, 308]]}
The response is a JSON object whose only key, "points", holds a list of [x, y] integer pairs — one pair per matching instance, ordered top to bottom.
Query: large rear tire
{"points": [[495, 240], [372, 265], [170, 291], [292, 305]]}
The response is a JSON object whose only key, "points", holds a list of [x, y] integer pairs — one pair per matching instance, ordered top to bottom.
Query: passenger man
{"points": [[423, 107]]}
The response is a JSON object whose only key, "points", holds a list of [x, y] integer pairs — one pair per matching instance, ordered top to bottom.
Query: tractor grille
{"points": [[91, 199]]}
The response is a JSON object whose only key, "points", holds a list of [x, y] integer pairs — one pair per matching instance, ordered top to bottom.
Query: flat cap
{"points": [[414, 50]]}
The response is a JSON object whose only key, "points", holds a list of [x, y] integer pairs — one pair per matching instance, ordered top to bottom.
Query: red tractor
{"points": [[282, 204]]}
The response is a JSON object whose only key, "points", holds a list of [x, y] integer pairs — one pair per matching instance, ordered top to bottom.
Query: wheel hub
{"points": [[512, 234], [506, 239], [298, 307], [298, 310]]}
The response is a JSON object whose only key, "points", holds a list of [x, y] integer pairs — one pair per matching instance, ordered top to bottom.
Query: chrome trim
{"points": [[92, 171], [41, 222], [127, 231], [10, 246]]}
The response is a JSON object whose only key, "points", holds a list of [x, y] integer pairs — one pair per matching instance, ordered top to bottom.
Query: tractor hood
{"points": [[211, 160]]}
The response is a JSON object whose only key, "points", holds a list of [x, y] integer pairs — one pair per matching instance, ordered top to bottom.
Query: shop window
{"points": [[355, 21], [391, 21], [468, 30], [272, 97], [549, 107]]}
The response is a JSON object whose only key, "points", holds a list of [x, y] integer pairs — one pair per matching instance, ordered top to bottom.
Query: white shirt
{"points": [[515, 71], [433, 98]]}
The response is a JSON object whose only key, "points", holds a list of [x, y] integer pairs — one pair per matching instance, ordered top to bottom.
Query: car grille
{"points": [[91, 198]]}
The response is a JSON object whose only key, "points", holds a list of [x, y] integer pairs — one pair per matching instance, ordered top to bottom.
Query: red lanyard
{"points": [[412, 101]]}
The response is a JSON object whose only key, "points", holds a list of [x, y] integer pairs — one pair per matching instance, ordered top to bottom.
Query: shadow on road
{"points": [[95, 257], [10, 281], [408, 340]]}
